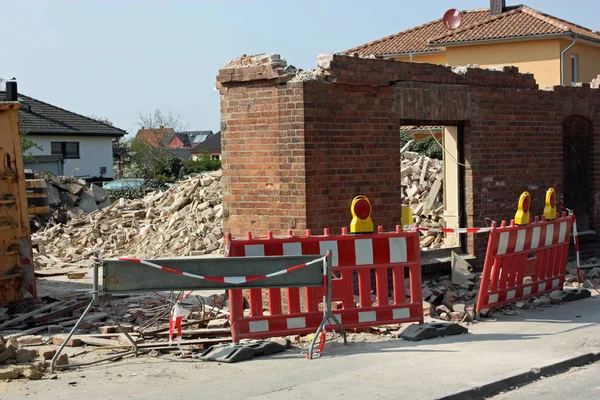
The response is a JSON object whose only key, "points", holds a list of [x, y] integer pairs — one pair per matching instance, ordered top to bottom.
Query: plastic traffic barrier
{"points": [[391, 256], [524, 261]]}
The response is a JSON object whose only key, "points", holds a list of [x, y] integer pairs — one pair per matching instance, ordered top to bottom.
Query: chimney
{"points": [[497, 7], [11, 91]]}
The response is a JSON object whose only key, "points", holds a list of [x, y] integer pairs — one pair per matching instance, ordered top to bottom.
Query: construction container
{"points": [[17, 281]]}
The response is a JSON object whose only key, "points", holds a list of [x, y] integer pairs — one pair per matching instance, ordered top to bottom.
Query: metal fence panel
{"points": [[127, 276]]}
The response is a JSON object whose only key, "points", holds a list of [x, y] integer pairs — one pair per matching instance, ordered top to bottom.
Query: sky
{"points": [[119, 59]]}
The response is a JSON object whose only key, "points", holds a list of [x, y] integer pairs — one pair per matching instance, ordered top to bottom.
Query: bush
{"points": [[427, 147], [202, 164], [170, 169]]}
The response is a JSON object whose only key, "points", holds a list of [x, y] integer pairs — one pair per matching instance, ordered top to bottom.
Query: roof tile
{"points": [[518, 21], [35, 116]]}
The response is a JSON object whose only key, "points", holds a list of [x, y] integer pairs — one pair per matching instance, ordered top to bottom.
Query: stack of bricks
{"points": [[596, 82]]}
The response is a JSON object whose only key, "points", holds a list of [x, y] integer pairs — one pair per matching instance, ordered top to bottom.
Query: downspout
{"points": [[410, 57], [562, 61]]}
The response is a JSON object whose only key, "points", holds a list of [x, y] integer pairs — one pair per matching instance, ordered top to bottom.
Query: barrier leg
{"points": [[95, 301], [327, 314], [62, 346], [134, 348]]}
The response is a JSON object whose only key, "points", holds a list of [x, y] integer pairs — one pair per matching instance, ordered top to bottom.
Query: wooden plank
{"points": [[433, 194], [54, 271], [60, 313], [30, 314], [156, 331], [27, 332], [201, 332], [107, 335], [97, 341], [165, 345]]}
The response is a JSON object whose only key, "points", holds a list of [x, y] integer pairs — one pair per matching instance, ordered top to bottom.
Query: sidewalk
{"points": [[391, 369]]}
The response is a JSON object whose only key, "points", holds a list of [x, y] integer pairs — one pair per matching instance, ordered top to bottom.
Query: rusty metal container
{"points": [[17, 280]]}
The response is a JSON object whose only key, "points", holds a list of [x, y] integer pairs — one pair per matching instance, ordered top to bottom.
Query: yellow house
{"points": [[555, 51]]}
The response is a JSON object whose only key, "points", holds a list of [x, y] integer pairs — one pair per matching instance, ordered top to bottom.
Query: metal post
{"points": [[94, 302], [327, 312]]}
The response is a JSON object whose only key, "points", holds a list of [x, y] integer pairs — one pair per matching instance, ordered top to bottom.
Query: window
{"points": [[574, 69], [65, 149], [215, 157]]}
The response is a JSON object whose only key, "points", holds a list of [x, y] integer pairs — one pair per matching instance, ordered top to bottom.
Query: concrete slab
{"points": [[98, 193], [53, 195], [87, 202]]}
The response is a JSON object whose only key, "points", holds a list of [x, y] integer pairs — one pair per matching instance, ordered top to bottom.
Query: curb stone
{"points": [[512, 382]]}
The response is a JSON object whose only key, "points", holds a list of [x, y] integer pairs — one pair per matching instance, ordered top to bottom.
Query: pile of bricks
{"points": [[184, 220]]}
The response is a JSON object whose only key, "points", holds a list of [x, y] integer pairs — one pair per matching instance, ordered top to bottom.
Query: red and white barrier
{"points": [[576, 242], [538, 251], [390, 255], [236, 280]]}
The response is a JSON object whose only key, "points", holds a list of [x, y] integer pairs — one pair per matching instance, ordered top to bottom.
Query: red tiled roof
{"points": [[517, 22], [415, 39], [153, 137]]}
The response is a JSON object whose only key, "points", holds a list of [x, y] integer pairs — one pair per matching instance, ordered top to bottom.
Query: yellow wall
{"points": [[540, 57], [589, 61]]}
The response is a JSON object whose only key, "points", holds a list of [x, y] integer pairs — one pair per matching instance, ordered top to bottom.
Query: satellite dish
{"points": [[452, 19]]}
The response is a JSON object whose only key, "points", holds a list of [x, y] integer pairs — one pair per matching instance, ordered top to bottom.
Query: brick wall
{"points": [[335, 135], [262, 149]]}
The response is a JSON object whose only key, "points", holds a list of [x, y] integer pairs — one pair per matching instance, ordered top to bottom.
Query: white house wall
{"points": [[94, 152]]}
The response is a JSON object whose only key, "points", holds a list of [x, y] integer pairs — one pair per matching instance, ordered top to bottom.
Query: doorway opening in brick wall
{"points": [[577, 141], [431, 174]]}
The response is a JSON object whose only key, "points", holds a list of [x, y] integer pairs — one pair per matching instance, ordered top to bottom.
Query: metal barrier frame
{"points": [[507, 261], [274, 279], [399, 310]]}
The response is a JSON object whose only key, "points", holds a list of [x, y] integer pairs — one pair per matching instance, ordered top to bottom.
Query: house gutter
{"points": [[508, 39], [412, 54], [562, 61]]}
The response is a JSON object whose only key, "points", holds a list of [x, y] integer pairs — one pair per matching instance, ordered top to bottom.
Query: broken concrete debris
{"points": [[69, 197], [181, 221], [16, 361]]}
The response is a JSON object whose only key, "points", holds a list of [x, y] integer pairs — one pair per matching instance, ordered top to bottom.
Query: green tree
{"points": [[26, 146], [428, 147], [151, 157], [203, 163]]}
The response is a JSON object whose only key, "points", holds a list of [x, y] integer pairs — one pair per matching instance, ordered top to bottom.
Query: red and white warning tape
{"points": [[576, 241], [236, 280]]}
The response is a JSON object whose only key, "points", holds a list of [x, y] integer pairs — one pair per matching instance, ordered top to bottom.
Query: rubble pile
{"points": [[422, 188], [69, 197], [183, 220], [590, 274], [450, 300], [33, 335], [18, 362]]}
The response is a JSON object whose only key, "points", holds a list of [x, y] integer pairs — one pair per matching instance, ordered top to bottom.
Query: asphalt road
{"points": [[578, 383]]}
